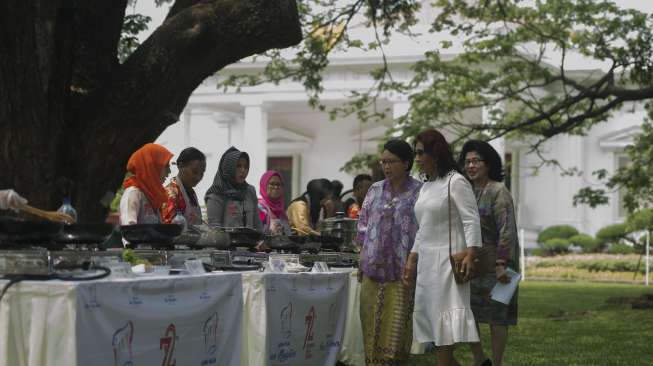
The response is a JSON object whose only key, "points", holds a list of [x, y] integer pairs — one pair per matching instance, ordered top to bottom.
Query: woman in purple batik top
{"points": [[386, 231]]}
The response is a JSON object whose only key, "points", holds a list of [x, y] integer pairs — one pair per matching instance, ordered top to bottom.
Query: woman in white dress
{"points": [[442, 312]]}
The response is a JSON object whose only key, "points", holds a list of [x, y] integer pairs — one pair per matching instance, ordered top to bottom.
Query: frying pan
{"points": [[16, 231], [150, 233], [84, 234]]}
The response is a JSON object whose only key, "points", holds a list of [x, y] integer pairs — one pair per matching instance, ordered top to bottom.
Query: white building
{"points": [[274, 124]]}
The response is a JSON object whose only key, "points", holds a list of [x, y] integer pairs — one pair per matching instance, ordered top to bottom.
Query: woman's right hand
{"points": [[410, 270]]}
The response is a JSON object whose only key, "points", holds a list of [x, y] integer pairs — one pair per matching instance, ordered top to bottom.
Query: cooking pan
{"points": [[16, 231], [150, 233], [84, 234], [243, 237], [327, 241], [280, 242]]}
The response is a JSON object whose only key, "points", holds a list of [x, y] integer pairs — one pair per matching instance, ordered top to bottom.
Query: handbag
{"points": [[481, 259]]}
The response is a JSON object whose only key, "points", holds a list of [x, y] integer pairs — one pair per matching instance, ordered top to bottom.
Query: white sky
{"points": [[400, 45]]}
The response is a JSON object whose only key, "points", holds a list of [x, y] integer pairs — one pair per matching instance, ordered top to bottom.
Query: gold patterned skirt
{"points": [[386, 312]]}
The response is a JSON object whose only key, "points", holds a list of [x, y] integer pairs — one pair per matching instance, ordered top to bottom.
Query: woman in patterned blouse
{"points": [[181, 197], [386, 232], [499, 235]]}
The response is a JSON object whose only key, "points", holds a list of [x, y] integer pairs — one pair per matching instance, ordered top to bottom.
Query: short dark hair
{"points": [[437, 147], [402, 149], [190, 154], [489, 155], [360, 179]]}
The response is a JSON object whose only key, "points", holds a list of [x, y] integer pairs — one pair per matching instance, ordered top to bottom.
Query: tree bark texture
{"points": [[69, 112]]}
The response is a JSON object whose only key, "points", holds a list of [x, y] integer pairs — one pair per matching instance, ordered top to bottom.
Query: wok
{"points": [[16, 231], [150, 233], [84, 234]]}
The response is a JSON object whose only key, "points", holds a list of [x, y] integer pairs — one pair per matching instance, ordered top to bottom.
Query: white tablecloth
{"points": [[294, 319], [147, 321], [90, 323]]}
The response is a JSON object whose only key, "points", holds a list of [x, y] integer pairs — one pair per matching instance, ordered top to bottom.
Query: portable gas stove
{"points": [[332, 259], [40, 261]]}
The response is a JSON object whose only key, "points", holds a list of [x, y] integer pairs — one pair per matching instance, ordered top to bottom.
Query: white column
{"points": [[186, 121], [255, 140], [499, 144]]}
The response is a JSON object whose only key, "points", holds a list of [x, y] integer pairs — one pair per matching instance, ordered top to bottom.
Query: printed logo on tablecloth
{"points": [[270, 285], [204, 295], [171, 298], [135, 300], [92, 302], [286, 321], [309, 322], [332, 324], [210, 332], [122, 345], [167, 345], [284, 350]]}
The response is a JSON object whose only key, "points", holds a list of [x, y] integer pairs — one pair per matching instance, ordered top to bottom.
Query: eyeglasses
{"points": [[389, 162], [473, 162], [275, 185]]}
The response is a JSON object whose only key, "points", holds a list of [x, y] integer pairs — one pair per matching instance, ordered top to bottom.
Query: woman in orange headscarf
{"points": [[144, 193]]}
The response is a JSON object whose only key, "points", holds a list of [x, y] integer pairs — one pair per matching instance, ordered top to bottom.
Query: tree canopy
{"points": [[511, 57], [71, 113]]}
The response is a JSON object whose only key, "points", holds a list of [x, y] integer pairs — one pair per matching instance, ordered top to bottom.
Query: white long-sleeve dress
{"points": [[442, 311]]}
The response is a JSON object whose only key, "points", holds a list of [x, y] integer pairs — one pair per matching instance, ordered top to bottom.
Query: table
{"points": [[294, 319], [144, 321]]}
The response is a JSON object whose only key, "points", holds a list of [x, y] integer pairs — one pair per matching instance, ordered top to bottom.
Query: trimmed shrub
{"points": [[556, 232], [612, 233], [586, 242], [556, 246], [619, 248], [538, 252]]}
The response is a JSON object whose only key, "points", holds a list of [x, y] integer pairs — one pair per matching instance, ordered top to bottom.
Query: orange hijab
{"points": [[146, 164]]}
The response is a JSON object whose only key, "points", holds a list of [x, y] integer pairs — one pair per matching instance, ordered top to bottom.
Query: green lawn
{"points": [[572, 323]]}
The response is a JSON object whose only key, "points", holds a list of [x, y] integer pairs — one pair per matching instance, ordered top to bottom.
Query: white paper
{"points": [[194, 267], [320, 267], [121, 270], [503, 292]]}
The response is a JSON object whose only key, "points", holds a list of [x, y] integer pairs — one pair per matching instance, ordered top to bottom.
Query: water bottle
{"points": [[68, 209], [180, 220]]}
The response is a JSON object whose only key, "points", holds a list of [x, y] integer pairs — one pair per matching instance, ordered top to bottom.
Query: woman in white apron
{"points": [[144, 194], [442, 311]]}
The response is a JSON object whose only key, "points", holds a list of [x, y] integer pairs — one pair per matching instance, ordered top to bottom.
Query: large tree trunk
{"points": [[69, 112]]}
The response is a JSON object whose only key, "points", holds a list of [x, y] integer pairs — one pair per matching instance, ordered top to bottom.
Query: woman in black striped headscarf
{"points": [[231, 202]]}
